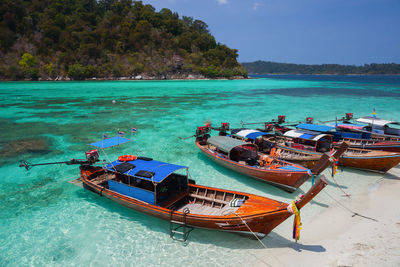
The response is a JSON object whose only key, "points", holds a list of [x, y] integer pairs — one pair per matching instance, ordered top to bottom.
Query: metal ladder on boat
{"points": [[184, 233]]}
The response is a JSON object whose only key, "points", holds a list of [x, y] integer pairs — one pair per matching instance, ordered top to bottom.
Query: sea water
{"points": [[44, 220]]}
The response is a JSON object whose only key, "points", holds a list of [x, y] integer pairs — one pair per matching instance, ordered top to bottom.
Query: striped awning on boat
{"points": [[375, 121], [248, 133], [309, 135], [225, 143]]}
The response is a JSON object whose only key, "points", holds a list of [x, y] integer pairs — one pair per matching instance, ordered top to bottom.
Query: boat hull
{"points": [[370, 163], [259, 214]]}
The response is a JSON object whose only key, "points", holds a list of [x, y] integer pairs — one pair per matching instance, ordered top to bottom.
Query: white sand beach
{"points": [[335, 237]]}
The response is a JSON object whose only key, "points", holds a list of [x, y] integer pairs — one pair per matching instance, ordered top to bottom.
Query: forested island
{"points": [[107, 39], [267, 67]]}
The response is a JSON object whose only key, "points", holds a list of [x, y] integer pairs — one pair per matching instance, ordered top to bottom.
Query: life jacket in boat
{"points": [[126, 158]]}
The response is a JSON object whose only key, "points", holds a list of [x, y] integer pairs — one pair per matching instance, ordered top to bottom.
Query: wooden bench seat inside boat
{"points": [[210, 202], [195, 208]]}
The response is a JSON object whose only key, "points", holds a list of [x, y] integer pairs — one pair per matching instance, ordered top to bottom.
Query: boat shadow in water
{"points": [[203, 236]]}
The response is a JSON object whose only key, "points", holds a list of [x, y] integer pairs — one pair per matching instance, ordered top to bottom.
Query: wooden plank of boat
{"points": [[256, 215]]}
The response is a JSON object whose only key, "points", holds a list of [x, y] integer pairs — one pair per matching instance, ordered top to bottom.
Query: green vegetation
{"points": [[106, 39], [264, 67]]}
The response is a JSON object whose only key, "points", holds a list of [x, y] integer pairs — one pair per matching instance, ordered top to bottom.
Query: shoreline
{"points": [[328, 74], [140, 77], [190, 78], [67, 79]]}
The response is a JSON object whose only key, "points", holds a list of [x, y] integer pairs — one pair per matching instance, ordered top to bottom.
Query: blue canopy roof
{"points": [[315, 127], [248, 133], [109, 142], [160, 169]]}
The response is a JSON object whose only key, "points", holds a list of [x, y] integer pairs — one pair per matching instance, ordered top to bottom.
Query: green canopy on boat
{"points": [[225, 143]]}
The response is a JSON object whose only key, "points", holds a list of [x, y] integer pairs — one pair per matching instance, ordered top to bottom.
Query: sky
{"points": [[352, 32]]}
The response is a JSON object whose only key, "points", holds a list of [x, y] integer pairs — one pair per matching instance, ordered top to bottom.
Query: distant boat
{"points": [[380, 129], [356, 140], [313, 143], [244, 158]]}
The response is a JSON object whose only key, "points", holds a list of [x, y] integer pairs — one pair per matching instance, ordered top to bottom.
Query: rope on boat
{"points": [[110, 162], [334, 170], [341, 189], [346, 208], [250, 229], [259, 241]]}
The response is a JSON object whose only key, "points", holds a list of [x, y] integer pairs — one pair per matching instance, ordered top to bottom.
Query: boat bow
{"points": [[325, 161], [314, 190]]}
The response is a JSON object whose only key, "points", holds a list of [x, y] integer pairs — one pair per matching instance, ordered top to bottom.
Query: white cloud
{"points": [[222, 2], [256, 5]]}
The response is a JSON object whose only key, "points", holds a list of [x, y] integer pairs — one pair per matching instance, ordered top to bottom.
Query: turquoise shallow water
{"points": [[46, 221]]}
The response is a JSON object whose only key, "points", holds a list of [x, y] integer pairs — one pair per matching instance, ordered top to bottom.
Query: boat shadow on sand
{"points": [[392, 176], [204, 236]]}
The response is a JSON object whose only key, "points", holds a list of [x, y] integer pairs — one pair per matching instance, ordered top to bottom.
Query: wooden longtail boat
{"points": [[376, 128], [378, 134], [358, 137], [311, 139], [243, 158], [363, 159], [158, 189], [187, 203]]}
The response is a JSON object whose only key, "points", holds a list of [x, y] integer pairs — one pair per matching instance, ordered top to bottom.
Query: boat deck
{"points": [[210, 202], [196, 208]]}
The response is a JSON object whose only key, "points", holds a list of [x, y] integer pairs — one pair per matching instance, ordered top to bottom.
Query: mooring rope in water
{"points": [[347, 195], [346, 208], [250, 229], [259, 241]]}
